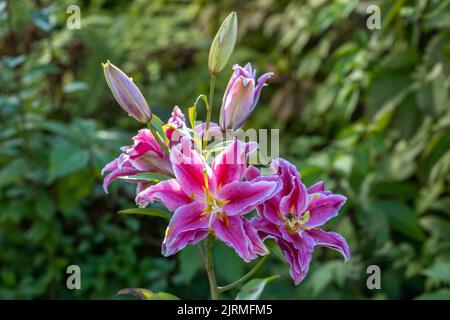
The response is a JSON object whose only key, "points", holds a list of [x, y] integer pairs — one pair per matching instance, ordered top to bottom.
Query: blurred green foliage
{"points": [[367, 111]]}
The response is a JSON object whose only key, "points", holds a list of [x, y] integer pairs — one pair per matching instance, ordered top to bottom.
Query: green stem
{"points": [[209, 108], [158, 138], [209, 265], [245, 277]]}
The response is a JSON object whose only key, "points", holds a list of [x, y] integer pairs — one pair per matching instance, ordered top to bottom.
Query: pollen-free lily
{"points": [[144, 156], [209, 189], [211, 200], [293, 215]]}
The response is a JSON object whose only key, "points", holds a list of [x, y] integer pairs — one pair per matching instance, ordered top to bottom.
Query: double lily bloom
{"points": [[145, 155], [215, 199], [211, 200], [293, 215]]}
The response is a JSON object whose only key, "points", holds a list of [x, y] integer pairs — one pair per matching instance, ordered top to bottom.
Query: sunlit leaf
{"points": [[150, 177], [145, 294]]}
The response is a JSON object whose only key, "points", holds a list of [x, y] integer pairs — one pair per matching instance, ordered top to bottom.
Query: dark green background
{"points": [[366, 111]]}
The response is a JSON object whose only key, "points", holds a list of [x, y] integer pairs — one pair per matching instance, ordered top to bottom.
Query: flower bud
{"points": [[223, 44], [127, 93], [241, 96]]}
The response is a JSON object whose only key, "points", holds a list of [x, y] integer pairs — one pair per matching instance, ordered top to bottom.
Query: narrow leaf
{"points": [[192, 115], [158, 124], [151, 177], [147, 212], [252, 290], [145, 294]]}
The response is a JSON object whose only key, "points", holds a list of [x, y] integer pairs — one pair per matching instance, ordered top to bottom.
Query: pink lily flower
{"points": [[241, 96], [177, 118], [175, 126], [145, 155], [211, 199], [293, 215]]}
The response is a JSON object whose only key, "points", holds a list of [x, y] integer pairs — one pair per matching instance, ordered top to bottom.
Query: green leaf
{"points": [[75, 87], [202, 97], [192, 115], [158, 124], [66, 158], [12, 171], [151, 177], [147, 212], [401, 217], [436, 226], [189, 265], [230, 266], [439, 271], [325, 274], [252, 290], [145, 294], [443, 294]]}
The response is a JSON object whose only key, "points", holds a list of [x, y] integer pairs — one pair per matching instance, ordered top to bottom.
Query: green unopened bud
{"points": [[223, 44], [127, 93]]}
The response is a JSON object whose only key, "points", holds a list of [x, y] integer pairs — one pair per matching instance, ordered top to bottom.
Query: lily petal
{"points": [[261, 84], [238, 103], [177, 118], [144, 142], [230, 164], [190, 169], [119, 172], [251, 173], [317, 187], [168, 192], [294, 196], [242, 197], [323, 208], [188, 225], [265, 228], [232, 231], [330, 240], [256, 242], [292, 257]]}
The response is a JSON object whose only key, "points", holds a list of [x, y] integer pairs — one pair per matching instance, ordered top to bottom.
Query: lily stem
{"points": [[209, 108], [158, 138], [209, 266], [245, 277]]}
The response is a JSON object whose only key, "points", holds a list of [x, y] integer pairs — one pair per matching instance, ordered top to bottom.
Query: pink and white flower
{"points": [[144, 156], [211, 199], [293, 215]]}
